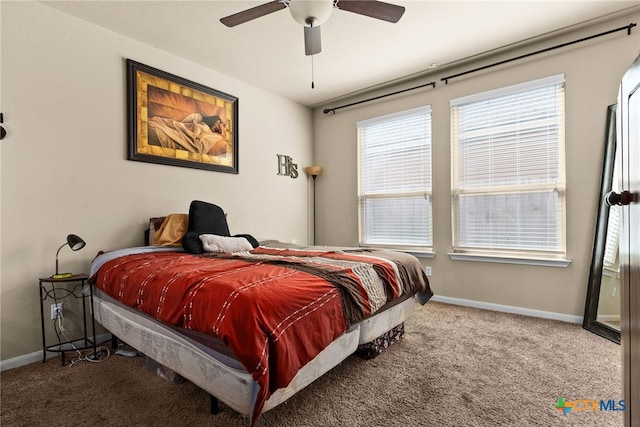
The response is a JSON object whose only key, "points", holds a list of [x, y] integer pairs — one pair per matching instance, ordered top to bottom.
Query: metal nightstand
{"points": [[56, 290]]}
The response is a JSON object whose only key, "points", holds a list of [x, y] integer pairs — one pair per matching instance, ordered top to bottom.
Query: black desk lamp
{"points": [[75, 243]]}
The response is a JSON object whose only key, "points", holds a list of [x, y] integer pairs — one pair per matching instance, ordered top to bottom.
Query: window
{"points": [[508, 178], [394, 180]]}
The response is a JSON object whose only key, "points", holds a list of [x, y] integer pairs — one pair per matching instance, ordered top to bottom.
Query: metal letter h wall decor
{"points": [[286, 166]]}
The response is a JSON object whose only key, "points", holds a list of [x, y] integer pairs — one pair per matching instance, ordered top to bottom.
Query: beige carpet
{"points": [[456, 366]]}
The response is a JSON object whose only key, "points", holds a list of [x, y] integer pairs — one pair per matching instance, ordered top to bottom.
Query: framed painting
{"points": [[174, 121]]}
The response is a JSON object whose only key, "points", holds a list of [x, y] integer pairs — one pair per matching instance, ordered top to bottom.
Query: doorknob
{"points": [[621, 199]]}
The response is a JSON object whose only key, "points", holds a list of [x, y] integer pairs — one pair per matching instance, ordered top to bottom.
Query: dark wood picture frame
{"points": [[174, 121]]}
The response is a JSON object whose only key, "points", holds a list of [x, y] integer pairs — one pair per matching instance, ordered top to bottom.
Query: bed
{"points": [[255, 325]]}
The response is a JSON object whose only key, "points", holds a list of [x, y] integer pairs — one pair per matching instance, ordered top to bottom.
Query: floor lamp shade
{"points": [[313, 171]]}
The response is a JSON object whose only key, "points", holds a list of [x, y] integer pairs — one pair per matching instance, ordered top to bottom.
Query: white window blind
{"points": [[508, 178], [394, 180]]}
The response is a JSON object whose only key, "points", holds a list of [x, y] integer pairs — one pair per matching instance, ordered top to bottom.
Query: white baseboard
{"points": [[509, 309], [36, 356]]}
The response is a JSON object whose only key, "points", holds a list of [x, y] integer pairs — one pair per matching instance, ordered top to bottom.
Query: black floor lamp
{"points": [[313, 172]]}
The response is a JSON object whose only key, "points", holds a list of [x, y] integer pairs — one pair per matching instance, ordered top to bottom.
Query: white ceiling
{"points": [[357, 52]]}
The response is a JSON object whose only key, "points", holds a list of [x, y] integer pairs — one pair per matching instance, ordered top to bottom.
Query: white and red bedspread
{"points": [[276, 309]]}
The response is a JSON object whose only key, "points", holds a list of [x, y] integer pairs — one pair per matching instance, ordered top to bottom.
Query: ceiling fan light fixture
{"points": [[310, 12]]}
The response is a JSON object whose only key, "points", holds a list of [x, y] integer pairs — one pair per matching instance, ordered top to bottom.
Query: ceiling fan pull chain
{"points": [[313, 86]]}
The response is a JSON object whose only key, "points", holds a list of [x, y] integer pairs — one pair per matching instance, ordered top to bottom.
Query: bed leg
{"points": [[114, 342], [213, 401]]}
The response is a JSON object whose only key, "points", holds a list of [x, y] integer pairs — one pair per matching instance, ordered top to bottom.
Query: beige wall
{"points": [[593, 70], [64, 167]]}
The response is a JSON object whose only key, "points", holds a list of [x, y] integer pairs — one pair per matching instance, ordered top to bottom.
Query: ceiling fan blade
{"points": [[373, 9], [253, 13], [312, 43]]}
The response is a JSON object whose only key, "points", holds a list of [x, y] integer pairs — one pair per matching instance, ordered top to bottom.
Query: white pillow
{"points": [[215, 243]]}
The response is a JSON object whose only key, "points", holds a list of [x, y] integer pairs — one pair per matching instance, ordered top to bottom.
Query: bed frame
{"points": [[217, 375]]}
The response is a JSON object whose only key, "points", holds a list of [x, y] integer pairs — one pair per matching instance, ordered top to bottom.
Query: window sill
{"points": [[418, 253], [421, 254], [542, 262]]}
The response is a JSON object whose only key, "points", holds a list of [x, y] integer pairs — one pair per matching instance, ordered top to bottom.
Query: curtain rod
{"points": [[626, 27], [446, 79], [333, 110]]}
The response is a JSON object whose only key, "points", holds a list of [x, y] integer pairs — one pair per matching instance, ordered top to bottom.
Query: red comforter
{"points": [[275, 309]]}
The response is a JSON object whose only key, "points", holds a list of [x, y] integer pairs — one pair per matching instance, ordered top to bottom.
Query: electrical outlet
{"points": [[427, 271], [56, 310]]}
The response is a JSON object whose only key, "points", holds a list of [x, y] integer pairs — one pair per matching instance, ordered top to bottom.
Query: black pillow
{"points": [[204, 218], [207, 218], [191, 243]]}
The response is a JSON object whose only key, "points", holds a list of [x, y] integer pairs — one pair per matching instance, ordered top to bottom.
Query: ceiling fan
{"points": [[313, 13]]}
